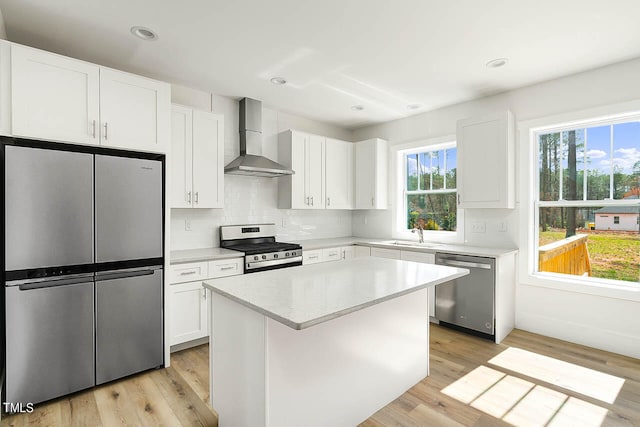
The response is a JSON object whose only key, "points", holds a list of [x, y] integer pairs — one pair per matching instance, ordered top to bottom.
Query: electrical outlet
{"points": [[187, 225], [502, 226], [478, 227]]}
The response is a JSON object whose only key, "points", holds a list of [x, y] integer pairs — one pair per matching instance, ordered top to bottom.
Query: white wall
{"points": [[253, 199], [608, 323]]}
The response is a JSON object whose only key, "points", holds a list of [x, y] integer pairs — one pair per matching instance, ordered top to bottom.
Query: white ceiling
{"points": [[337, 53]]}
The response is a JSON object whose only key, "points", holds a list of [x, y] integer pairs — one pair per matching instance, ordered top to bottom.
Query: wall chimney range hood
{"points": [[251, 161]]}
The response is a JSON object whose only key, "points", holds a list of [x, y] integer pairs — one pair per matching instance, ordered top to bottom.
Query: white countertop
{"points": [[312, 244], [206, 254], [303, 296]]}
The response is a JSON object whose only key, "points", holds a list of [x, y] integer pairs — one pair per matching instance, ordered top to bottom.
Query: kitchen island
{"points": [[318, 345]]}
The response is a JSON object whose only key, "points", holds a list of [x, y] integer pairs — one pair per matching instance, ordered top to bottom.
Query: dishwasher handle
{"points": [[465, 264]]}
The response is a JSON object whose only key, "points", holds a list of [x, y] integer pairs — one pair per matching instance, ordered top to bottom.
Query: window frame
{"points": [[399, 188], [529, 192]]}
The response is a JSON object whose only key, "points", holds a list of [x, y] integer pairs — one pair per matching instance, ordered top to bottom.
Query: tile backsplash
{"points": [[254, 200]]}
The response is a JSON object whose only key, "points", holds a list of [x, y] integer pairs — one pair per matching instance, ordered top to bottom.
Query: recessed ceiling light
{"points": [[144, 33], [497, 63], [278, 81], [414, 106], [357, 107]]}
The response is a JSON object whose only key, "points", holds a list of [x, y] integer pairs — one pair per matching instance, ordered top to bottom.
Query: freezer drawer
{"points": [[48, 208], [129, 208], [468, 301], [129, 319], [50, 347]]}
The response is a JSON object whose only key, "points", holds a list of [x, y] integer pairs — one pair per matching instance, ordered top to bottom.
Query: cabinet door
{"points": [[5, 88], [54, 97], [134, 111], [489, 137], [298, 146], [181, 157], [208, 157], [314, 171], [339, 174], [364, 175], [348, 252], [427, 259], [188, 312]]}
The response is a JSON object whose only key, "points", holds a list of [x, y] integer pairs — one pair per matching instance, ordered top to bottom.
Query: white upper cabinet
{"points": [[5, 88], [54, 97], [63, 99], [134, 111], [304, 153], [197, 155], [314, 171], [338, 174], [371, 174], [486, 176]]}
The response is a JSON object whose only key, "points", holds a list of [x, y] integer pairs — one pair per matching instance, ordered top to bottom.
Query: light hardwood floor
{"points": [[177, 396]]}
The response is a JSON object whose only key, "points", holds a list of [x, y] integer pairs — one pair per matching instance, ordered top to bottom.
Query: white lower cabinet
{"points": [[361, 251], [337, 253], [385, 253], [188, 299], [188, 312]]}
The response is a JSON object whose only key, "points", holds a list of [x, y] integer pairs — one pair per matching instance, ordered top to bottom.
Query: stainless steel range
{"points": [[258, 242]]}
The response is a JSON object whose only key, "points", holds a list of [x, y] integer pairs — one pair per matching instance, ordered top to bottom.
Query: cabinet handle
{"points": [[93, 129], [106, 130], [189, 197], [196, 198], [458, 198], [311, 200], [306, 201], [328, 201], [373, 201], [344, 254], [313, 257], [231, 267], [187, 273], [204, 293]]}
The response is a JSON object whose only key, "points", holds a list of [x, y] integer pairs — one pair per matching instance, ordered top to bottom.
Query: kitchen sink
{"points": [[409, 243]]}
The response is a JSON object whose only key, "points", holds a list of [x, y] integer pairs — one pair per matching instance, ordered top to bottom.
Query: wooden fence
{"points": [[568, 256]]}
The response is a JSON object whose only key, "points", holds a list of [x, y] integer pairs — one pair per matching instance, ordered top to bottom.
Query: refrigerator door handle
{"points": [[122, 274], [53, 283]]}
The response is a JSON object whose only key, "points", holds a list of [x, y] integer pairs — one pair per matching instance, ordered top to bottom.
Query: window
{"points": [[430, 188], [588, 205]]}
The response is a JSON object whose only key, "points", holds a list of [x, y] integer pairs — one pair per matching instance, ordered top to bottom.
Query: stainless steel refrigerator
{"points": [[83, 257]]}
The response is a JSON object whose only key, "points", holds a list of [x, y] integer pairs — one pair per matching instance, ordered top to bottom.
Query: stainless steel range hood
{"points": [[251, 161]]}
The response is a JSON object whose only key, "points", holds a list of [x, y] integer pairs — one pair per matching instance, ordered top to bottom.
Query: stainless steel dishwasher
{"points": [[468, 303]]}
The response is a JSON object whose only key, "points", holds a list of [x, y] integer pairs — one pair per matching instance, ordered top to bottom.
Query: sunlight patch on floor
{"points": [[576, 378], [522, 403]]}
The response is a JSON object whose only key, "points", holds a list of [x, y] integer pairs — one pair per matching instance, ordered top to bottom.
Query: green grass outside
{"points": [[613, 256]]}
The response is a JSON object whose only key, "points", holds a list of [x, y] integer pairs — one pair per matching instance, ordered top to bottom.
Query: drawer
{"points": [[331, 254], [312, 257], [418, 257], [226, 267], [189, 272]]}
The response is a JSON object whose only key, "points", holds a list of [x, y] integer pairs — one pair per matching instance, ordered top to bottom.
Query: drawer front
{"points": [[385, 253], [331, 254], [312, 257], [226, 267], [189, 272]]}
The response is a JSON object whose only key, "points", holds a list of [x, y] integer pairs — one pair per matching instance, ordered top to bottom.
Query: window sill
{"points": [[602, 288]]}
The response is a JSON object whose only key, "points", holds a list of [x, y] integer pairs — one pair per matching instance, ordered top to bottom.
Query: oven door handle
{"points": [[284, 261]]}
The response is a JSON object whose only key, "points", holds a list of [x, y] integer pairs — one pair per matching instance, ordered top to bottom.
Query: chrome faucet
{"points": [[420, 232]]}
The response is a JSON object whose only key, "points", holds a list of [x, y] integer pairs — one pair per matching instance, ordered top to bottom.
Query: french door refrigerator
{"points": [[83, 257]]}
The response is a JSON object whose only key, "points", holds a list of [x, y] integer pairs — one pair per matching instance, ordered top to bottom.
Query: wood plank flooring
{"points": [[178, 396]]}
